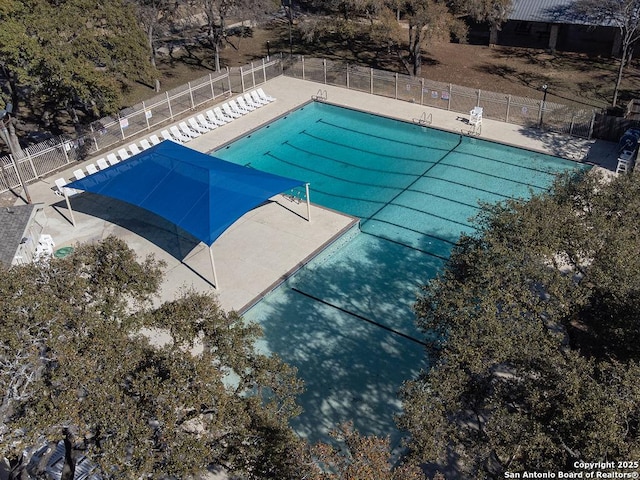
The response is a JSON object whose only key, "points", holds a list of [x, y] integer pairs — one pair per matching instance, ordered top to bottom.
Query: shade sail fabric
{"points": [[203, 195]]}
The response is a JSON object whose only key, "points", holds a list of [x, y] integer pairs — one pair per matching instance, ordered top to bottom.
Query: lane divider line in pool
{"points": [[387, 139], [393, 156], [348, 164], [517, 165], [495, 176], [335, 177], [414, 182], [468, 186], [441, 197], [417, 210], [404, 227], [404, 245], [360, 317]]}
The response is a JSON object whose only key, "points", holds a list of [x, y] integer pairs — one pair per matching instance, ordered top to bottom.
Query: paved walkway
{"points": [[270, 242]]}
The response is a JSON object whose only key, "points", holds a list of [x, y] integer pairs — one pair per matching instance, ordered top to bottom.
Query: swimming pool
{"points": [[345, 320]]}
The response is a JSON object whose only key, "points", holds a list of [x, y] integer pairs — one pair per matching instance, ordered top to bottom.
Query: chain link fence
{"points": [[523, 111], [44, 158]]}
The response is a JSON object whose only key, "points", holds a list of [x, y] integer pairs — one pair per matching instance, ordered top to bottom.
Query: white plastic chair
{"points": [[264, 96], [256, 97], [251, 102], [242, 105], [226, 108], [235, 108], [220, 115], [193, 123], [206, 123], [184, 128], [175, 135], [155, 140], [144, 143], [134, 149], [123, 154], [112, 159], [102, 164], [91, 169], [79, 174], [61, 188]]}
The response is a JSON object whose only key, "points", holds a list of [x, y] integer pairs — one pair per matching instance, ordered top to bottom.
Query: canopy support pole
{"points": [[306, 187], [66, 197], [213, 268]]}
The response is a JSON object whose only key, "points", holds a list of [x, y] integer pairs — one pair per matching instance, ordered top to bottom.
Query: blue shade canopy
{"points": [[201, 194]]}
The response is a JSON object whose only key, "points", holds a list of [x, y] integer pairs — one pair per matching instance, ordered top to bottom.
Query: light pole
{"points": [[544, 103], [5, 112]]}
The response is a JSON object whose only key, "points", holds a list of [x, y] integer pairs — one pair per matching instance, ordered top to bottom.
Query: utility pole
{"points": [[5, 117]]}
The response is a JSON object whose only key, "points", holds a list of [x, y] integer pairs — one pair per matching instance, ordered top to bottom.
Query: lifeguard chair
{"points": [[475, 120]]}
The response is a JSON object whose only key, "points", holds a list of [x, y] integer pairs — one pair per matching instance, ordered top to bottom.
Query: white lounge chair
{"points": [[264, 96], [256, 98], [251, 102], [242, 105], [235, 108], [229, 112], [220, 115], [475, 118], [193, 123], [206, 123], [184, 128], [177, 134], [168, 136], [154, 140], [144, 143], [134, 149], [123, 154], [112, 159], [102, 164], [91, 169], [79, 174], [61, 188]]}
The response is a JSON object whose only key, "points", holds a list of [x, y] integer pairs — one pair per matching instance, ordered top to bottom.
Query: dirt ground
{"points": [[572, 78]]}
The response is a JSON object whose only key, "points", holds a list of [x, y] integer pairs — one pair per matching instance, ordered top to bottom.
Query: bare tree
{"points": [[622, 14]]}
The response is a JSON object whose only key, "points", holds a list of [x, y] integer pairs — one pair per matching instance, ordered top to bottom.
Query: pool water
{"points": [[345, 320]]}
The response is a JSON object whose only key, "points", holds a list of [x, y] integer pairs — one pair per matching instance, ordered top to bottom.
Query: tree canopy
{"points": [[67, 54], [537, 350], [79, 366]]}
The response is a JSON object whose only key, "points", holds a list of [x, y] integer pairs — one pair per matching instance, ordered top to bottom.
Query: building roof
{"points": [[548, 11], [14, 222]]}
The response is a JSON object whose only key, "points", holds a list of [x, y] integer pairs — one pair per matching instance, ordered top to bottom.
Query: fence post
{"points": [[347, 67], [324, 69], [264, 72], [303, 74], [253, 75], [229, 78], [241, 79], [371, 81], [396, 87], [421, 91], [450, 95], [478, 99], [169, 105], [193, 105], [508, 107], [146, 117], [573, 117], [593, 120], [121, 129], [95, 140], [64, 149], [33, 169]]}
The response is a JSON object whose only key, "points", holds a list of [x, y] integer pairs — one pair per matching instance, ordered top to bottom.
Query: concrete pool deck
{"points": [[270, 242]]}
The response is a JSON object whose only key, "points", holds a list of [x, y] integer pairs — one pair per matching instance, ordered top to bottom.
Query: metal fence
{"points": [[497, 106], [54, 154], [41, 159]]}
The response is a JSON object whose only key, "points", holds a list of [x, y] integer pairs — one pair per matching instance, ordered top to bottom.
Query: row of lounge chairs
{"points": [[181, 133]]}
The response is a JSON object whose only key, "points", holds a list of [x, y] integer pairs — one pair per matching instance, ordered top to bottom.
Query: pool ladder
{"points": [[321, 96], [424, 119]]}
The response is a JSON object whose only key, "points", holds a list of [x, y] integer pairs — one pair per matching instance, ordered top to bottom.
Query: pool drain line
{"points": [[360, 317]]}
